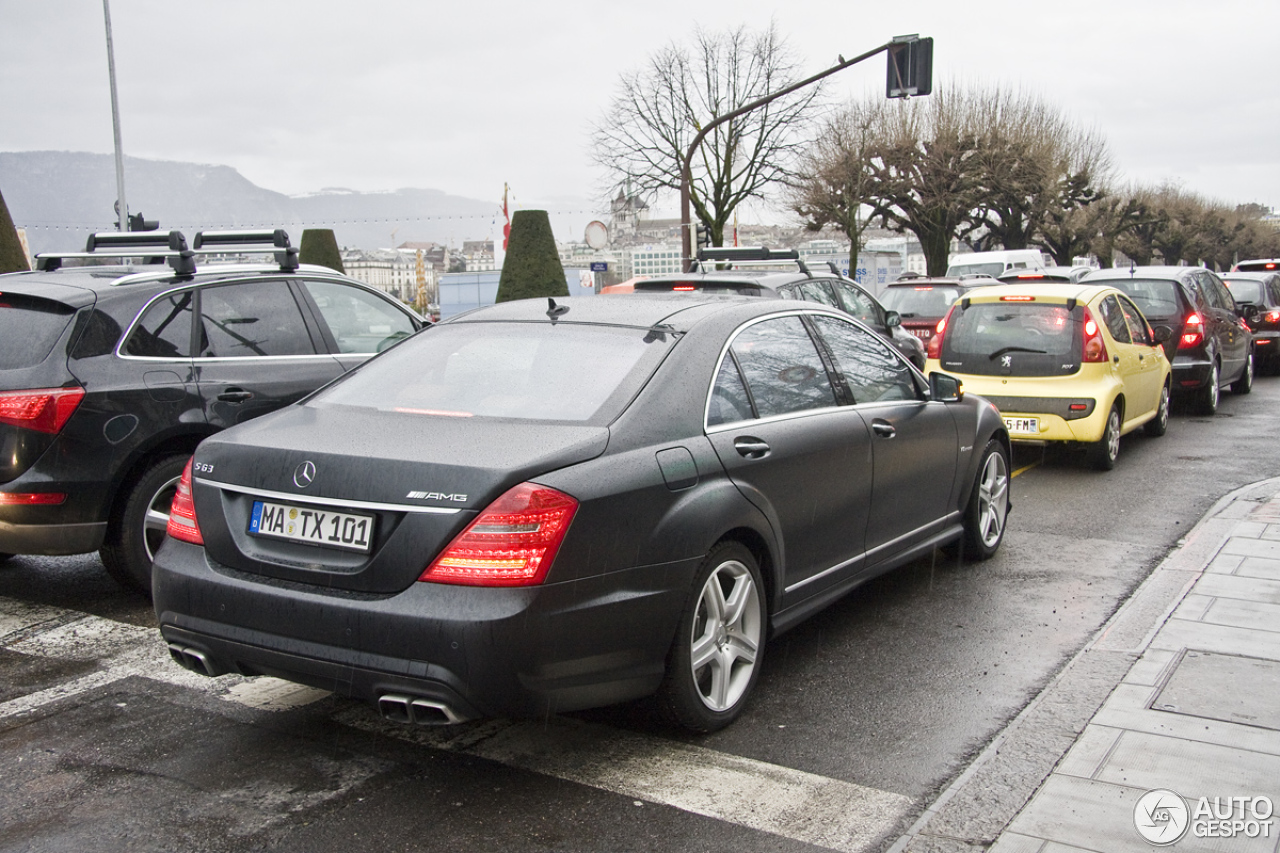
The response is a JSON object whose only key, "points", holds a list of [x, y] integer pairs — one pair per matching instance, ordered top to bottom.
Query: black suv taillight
{"points": [[43, 410]]}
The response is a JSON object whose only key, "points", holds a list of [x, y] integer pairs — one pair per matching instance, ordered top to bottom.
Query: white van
{"points": [[995, 264]]}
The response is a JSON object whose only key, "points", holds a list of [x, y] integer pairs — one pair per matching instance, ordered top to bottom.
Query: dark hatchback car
{"points": [[827, 287], [1258, 295], [922, 302], [1210, 345], [111, 375], [524, 510]]}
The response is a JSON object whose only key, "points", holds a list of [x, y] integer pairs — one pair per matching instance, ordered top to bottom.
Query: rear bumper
{"points": [[1190, 373], [51, 539], [478, 651]]}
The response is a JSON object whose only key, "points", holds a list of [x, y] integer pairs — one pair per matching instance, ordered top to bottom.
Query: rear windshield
{"points": [[1245, 290], [1157, 299], [919, 300], [29, 327], [1013, 339], [526, 371]]}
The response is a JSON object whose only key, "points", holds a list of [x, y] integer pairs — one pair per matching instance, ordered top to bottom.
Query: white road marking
{"points": [[801, 806]]}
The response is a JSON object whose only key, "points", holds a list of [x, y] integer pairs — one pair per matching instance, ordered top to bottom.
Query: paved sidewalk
{"points": [[1178, 694]]}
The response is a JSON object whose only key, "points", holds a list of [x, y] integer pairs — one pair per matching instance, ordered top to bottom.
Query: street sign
{"points": [[599, 266]]}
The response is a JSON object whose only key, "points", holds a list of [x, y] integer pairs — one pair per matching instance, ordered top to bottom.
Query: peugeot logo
{"points": [[1005, 361], [304, 474]]}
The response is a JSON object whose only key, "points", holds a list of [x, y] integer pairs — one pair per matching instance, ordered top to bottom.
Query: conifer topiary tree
{"points": [[320, 247], [12, 258], [532, 266]]}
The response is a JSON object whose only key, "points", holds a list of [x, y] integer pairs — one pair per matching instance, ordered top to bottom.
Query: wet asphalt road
{"points": [[878, 702]]}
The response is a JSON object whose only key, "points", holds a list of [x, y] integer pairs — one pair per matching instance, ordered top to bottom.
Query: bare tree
{"points": [[643, 138], [1037, 164], [927, 172], [836, 187]]}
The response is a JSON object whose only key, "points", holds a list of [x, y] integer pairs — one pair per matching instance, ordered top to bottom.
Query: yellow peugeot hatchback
{"points": [[1063, 363]]}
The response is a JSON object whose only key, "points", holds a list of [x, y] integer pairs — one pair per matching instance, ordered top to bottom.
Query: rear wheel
{"points": [[1244, 384], [1206, 398], [1160, 423], [1103, 454], [984, 517], [137, 528], [717, 653]]}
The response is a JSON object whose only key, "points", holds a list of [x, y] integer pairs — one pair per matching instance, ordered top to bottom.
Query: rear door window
{"points": [[1113, 316], [29, 328], [1138, 329], [1014, 339], [782, 367], [872, 370]]}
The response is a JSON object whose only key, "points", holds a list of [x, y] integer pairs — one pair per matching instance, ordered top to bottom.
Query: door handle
{"points": [[235, 395], [884, 429], [751, 448]]}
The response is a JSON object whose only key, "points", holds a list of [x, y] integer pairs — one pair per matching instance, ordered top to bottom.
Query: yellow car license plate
{"points": [[1022, 426]]}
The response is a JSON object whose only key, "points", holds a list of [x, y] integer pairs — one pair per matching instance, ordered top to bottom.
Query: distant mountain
{"points": [[62, 196]]}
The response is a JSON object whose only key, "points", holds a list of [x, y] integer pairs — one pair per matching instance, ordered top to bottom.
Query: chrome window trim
{"points": [[312, 500]]}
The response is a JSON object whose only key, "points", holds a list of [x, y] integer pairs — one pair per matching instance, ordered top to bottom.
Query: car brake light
{"points": [[684, 288], [1017, 299], [1273, 317], [1192, 332], [935, 343], [1095, 348], [46, 410], [31, 498], [182, 512], [512, 543]]}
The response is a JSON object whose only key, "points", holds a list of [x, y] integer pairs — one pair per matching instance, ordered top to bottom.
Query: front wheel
{"points": [[1244, 384], [1103, 454], [988, 509], [137, 528], [716, 656]]}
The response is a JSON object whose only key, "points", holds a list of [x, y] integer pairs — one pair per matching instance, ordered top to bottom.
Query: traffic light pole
{"points": [[686, 169]]}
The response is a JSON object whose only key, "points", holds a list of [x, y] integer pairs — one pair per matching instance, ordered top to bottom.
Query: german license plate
{"points": [[1022, 426], [329, 529]]}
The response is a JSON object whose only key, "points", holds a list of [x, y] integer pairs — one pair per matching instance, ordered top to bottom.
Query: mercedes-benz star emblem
{"points": [[304, 474]]}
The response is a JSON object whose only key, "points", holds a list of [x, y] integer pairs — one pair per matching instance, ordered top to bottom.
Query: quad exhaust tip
{"points": [[194, 660], [400, 708]]}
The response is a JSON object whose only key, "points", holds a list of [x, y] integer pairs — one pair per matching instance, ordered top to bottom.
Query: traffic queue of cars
{"points": [[536, 507]]}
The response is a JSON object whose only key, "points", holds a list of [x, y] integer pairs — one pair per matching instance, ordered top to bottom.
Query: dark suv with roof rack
{"points": [[754, 271], [111, 375]]}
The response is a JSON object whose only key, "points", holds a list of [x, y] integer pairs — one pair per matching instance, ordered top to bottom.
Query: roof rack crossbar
{"points": [[274, 243], [747, 253]]}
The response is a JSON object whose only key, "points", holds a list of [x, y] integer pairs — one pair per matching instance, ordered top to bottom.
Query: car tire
{"points": [[1244, 384], [1206, 399], [1158, 425], [1103, 453], [988, 509], [137, 527], [719, 646]]}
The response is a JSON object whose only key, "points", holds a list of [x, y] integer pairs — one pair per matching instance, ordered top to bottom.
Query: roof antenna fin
{"points": [[554, 311]]}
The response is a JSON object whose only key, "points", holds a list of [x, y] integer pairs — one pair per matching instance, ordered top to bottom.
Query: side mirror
{"points": [[1250, 311], [892, 318], [1161, 334], [945, 388]]}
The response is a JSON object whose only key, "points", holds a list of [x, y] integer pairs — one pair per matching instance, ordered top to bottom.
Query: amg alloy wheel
{"points": [[988, 509], [717, 653]]}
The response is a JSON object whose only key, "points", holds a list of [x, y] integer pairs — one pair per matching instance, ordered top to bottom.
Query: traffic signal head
{"points": [[910, 69], [137, 223], [703, 235]]}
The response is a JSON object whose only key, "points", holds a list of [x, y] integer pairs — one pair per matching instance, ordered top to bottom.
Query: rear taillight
{"points": [[1272, 317], [1192, 332], [935, 343], [1095, 348], [45, 410], [182, 512], [512, 543]]}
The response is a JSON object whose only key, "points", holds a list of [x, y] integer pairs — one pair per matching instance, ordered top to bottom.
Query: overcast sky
{"points": [[300, 95]]}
